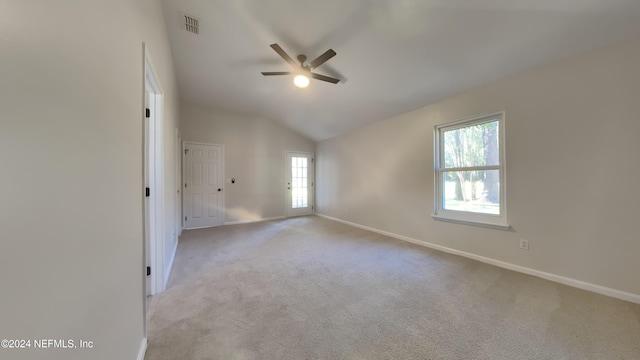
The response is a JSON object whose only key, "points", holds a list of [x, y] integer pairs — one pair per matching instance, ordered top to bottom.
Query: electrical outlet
{"points": [[524, 244]]}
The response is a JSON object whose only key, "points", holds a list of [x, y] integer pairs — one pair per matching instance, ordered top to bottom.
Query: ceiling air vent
{"points": [[191, 24]]}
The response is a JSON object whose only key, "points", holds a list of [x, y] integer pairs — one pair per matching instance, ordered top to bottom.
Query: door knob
{"points": [[219, 189]]}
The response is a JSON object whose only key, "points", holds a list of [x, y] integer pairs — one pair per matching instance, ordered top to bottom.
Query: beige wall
{"points": [[71, 98], [254, 150], [572, 152]]}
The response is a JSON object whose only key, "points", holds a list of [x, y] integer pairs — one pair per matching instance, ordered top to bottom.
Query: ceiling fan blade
{"points": [[284, 55], [322, 58], [271, 73], [324, 78]]}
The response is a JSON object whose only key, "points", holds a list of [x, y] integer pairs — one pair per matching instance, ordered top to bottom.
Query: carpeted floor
{"points": [[310, 288]]}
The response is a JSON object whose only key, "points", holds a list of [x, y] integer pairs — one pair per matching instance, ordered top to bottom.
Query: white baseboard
{"points": [[253, 220], [167, 270], [622, 295], [142, 350]]}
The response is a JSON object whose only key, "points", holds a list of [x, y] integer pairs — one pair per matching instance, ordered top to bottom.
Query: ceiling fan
{"points": [[303, 72]]}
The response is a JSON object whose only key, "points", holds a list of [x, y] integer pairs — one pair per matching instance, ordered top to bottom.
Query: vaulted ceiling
{"points": [[393, 56]]}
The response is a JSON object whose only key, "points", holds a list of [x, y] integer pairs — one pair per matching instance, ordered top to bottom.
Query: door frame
{"points": [[178, 175], [312, 179], [182, 183], [154, 217]]}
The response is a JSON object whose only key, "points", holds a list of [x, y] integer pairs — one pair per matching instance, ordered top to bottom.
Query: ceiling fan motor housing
{"points": [[303, 69]]}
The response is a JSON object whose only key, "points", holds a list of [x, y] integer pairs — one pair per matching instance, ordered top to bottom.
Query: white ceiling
{"points": [[393, 55]]}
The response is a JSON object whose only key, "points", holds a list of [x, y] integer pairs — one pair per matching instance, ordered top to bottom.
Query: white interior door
{"points": [[178, 174], [300, 182], [203, 185], [147, 208]]}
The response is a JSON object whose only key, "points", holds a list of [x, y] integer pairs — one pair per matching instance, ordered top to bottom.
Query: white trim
{"points": [[463, 122], [198, 143], [254, 220], [473, 223], [167, 271], [618, 294], [142, 350]]}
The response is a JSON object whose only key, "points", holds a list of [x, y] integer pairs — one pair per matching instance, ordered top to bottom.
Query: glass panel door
{"points": [[299, 184]]}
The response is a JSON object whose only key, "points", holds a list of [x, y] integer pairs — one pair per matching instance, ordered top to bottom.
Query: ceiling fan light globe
{"points": [[301, 81]]}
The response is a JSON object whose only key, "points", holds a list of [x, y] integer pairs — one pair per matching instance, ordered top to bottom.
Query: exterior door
{"points": [[300, 181], [203, 185]]}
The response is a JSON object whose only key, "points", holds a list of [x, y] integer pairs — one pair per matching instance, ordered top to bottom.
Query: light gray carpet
{"points": [[309, 288]]}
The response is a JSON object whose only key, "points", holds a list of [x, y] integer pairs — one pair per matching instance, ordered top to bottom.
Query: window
{"points": [[469, 171], [299, 183]]}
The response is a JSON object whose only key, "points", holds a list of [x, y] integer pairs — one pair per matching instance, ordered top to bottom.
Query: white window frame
{"points": [[468, 217]]}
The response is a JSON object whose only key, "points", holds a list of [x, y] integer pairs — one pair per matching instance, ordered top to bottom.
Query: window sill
{"points": [[472, 223]]}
